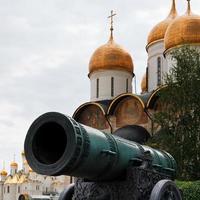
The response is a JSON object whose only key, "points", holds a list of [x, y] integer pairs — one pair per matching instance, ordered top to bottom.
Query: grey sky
{"points": [[45, 47]]}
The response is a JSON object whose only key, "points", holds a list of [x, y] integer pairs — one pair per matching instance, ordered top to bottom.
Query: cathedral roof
{"points": [[184, 30], [158, 32], [110, 56], [14, 164], [3, 173], [23, 178], [12, 179]]}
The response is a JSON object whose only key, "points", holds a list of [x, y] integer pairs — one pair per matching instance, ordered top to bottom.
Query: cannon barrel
{"points": [[58, 145]]}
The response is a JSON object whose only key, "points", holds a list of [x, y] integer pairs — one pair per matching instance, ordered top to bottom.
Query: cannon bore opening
{"points": [[49, 143]]}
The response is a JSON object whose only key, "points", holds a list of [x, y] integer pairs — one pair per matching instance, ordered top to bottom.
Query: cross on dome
{"points": [[189, 7], [111, 23]]}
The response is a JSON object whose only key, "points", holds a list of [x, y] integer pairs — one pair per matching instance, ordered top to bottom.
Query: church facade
{"points": [[112, 102], [28, 182]]}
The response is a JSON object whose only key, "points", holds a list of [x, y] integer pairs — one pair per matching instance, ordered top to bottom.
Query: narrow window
{"points": [[159, 71], [147, 78], [127, 85], [112, 86], [97, 89], [8, 189], [18, 189]]}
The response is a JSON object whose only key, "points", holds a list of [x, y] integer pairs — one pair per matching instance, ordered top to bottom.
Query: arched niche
{"points": [[153, 104], [127, 109], [93, 115]]}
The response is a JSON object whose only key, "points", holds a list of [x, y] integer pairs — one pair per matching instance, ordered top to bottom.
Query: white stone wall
{"points": [[155, 51], [171, 62], [120, 79], [63, 182], [33, 188], [1, 190], [11, 194]]}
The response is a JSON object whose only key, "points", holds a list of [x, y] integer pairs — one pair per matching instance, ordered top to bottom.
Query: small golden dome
{"points": [[183, 30], [158, 32], [111, 56], [144, 84], [25, 162], [14, 164], [30, 170], [3, 172]]}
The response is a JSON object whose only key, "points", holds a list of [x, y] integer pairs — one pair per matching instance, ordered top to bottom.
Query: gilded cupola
{"points": [[184, 30], [158, 32], [110, 56], [14, 164], [3, 173]]}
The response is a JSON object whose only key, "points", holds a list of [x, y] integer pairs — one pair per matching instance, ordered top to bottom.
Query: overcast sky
{"points": [[45, 47]]}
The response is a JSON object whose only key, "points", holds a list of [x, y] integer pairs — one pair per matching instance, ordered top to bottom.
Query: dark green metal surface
{"points": [[57, 145]]}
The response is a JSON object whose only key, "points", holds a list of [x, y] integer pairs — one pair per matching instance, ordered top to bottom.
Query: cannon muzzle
{"points": [[58, 145]]}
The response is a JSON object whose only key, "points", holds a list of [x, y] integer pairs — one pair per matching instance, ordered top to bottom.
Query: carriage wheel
{"points": [[165, 190]]}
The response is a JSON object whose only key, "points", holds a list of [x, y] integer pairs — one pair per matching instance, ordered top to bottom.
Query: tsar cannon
{"points": [[106, 167]]}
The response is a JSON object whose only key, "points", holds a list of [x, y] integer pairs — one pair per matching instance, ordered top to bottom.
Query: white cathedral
{"points": [[112, 102], [27, 182]]}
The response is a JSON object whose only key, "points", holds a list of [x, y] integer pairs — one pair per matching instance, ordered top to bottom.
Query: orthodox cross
{"points": [[189, 7], [111, 22]]}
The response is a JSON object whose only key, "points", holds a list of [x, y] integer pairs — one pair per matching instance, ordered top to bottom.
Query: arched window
{"points": [[159, 71], [112, 86], [97, 89], [37, 187]]}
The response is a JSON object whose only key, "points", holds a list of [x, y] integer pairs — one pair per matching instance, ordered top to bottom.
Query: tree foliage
{"points": [[179, 117]]}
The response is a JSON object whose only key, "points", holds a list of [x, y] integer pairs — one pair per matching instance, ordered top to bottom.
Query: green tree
{"points": [[179, 117]]}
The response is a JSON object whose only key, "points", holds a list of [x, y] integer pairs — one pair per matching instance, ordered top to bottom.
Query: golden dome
{"points": [[183, 30], [158, 32], [111, 56], [144, 84], [25, 162], [14, 164], [30, 170], [3, 172]]}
